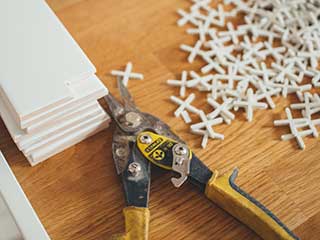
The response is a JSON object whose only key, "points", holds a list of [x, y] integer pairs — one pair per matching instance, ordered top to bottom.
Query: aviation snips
{"points": [[141, 139]]}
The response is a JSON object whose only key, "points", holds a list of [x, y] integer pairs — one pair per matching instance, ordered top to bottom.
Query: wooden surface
{"points": [[77, 193]]}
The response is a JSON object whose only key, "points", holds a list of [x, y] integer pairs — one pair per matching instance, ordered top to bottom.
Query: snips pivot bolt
{"points": [[133, 119], [145, 139], [180, 150], [121, 152], [134, 168]]}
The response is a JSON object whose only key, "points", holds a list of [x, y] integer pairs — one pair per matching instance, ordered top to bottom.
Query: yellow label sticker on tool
{"points": [[158, 150]]}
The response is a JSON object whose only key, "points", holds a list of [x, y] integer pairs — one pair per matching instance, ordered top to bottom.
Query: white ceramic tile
{"points": [[38, 58], [89, 89], [64, 115], [92, 118], [10, 123], [20, 136], [78, 136], [30, 140], [50, 144], [19, 207]]}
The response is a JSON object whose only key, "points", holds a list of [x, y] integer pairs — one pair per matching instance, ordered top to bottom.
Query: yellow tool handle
{"points": [[223, 191], [136, 223]]}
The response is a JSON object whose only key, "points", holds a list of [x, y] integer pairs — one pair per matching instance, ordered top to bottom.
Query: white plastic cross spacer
{"points": [[187, 17], [234, 34], [194, 51], [127, 74], [199, 81], [180, 83], [184, 104], [250, 104], [222, 110], [294, 124], [207, 125]]}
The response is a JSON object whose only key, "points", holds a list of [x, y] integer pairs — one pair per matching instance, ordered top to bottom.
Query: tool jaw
{"points": [[121, 148], [174, 156], [181, 163], [133, 168], [136, 179]]}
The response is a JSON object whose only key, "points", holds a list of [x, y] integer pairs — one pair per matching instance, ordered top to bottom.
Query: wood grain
{"points": [[77, 193]]}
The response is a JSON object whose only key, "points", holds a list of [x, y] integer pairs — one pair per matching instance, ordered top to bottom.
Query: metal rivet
{"points": [[133, 119], [145, 139], [181, 150], [121, 152], [134, 168]]}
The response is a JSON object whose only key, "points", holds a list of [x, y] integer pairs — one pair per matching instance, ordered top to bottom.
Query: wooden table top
{"points": [[77, 193]]}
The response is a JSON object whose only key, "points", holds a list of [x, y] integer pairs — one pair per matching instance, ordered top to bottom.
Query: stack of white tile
{"points": [[48, 87]]}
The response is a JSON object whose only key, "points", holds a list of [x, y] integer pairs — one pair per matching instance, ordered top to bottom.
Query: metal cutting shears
{"points": [[141, 139]]}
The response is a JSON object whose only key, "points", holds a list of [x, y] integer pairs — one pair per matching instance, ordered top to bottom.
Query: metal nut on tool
{"points": [[133, 119], [145, 139], [180, 150], [121, 152], [134, 168]]}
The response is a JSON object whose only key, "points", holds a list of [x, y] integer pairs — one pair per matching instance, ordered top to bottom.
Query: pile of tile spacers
{"points": [[275, 51]]}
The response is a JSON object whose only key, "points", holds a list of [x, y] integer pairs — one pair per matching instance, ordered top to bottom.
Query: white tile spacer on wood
{"points": [[200, 4], [187, 17], [214, 17], [220, 22], [294, 26], [201, 30], [234, 34], [219, 41], [252, 49], [194, 51], [220, 52], [275, 52], [313, 56], [297, 62], [211, 65], [239, 65], [262, 72], [284, 72], [127, 74], [231, 77], [315, 77], [316, 80], [199, 81], [180, 83], [285, 87], [214, 88], [218, 89], [298, 89], [267, 94], [250, 104], [184, 105], [304, 105], [308, 108], [221, 110], [186, 117], [207, 125], [293, 125], [207, 131], [204, 134]]}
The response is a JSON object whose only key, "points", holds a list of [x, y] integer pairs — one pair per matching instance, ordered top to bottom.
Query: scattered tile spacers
{"points": [[272, 52]]}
